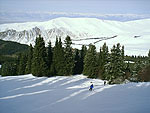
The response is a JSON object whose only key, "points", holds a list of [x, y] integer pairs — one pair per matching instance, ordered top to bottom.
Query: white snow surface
{"points": [[134, 35], [29, 94]]}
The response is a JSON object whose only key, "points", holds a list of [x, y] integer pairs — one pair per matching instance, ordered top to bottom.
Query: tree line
{"points": [[63, 60]]}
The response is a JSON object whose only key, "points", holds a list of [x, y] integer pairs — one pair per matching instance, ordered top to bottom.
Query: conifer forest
{"points": [[62, 60]]}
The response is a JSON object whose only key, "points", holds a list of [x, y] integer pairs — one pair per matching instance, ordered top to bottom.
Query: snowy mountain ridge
{"points": [[64, 22], [81, 28]]}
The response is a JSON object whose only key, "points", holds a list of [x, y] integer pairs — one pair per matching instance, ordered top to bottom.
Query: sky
{"points": [[28, 10]]}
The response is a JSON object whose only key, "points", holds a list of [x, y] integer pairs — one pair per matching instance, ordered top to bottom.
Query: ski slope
{"points": [[29, 94]]}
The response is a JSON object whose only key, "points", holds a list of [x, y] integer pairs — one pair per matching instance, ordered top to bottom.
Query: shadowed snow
{"points": [[29, 94]]}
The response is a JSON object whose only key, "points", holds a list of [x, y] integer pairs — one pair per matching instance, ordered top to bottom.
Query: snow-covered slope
{"points": [[133, 34], [29, 94]]}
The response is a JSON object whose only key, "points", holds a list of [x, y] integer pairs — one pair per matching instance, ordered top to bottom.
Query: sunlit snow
{"points": [[134, 35], [62, 94]]}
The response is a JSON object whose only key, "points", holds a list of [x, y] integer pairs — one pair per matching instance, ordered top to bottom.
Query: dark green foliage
{"points": [[9, 47], [9, 50], [122, 53], [49, 55], [82, 56], [149, 57], [7, 58], [50, 59], [69, 59], [77, 59], [103, 59], [29, 60], [62, 61], [90, 62], [22, 64], [39, 65], [58, 65], [138, 65], [142, 68], [9, 69], [115, 69], [128, 70], [144, 74]]}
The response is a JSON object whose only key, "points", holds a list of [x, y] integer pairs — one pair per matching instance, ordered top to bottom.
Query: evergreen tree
{"points": [[122, 53], [105, 54], [82, 56], [49, 57], [149, 57], [69, 59], [77, 59], [29, 60], [103, 60], [90, 62], [22, 64], [39, 65], [58, 65], [138, 65], [110, 67], [9, 69], [115, 71], [128, 71]]}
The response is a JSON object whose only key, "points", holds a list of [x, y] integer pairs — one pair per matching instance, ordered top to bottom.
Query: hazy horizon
{"points": [[41, 10]]}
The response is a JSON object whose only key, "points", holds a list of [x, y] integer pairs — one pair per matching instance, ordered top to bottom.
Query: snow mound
{"points": [[29, 94]]}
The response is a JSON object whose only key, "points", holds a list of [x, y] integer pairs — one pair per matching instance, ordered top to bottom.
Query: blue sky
{"points": [[80, 6], [13, 8]]}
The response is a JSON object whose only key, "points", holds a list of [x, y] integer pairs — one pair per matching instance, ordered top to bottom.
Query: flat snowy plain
{"points": [[29, 94]]}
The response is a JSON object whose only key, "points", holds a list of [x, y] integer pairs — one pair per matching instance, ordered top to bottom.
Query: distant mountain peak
{"points": [[80, 28]]}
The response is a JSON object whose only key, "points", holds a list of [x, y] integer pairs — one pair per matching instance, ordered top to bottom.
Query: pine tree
{"points": [[122, 53], [105, 54], [82, 56], [149, 57], [49, 58], [69, 59], [77, 59], [29, 60], [103, 60], [120, 60], [18, 62], [90, 62], [22, 64], [39, 65], [58, 65], [110, 67], [137, 68], [9, 69], [115, 71], [127, 71]]}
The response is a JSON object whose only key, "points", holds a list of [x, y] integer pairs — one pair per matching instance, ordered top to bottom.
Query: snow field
{"points": [[81, 28], [29, 94]]}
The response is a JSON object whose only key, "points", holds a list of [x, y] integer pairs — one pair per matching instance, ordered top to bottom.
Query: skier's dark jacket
{"points": [[91, 86]]}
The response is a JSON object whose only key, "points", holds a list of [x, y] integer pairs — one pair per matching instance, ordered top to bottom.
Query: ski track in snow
{"points": [[97, 90], [25, 94], [29, 94]]}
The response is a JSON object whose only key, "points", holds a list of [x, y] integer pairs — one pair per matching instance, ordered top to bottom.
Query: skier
{"points": [[104, 82], [91, 87]]}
